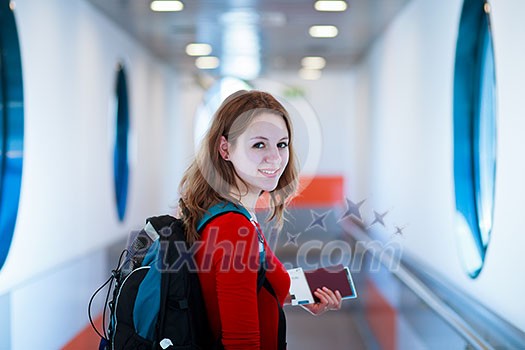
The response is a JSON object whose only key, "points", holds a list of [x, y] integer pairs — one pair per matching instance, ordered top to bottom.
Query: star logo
{"points": [[352, 209], [379, 219], [318, 220], [399, 230], [292, 239]]}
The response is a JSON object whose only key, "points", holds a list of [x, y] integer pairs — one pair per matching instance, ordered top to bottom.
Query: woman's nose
{"points": [[273, 155]]}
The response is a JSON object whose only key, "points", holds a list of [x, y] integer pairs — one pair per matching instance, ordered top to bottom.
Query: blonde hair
{"points": [[209, 179]]}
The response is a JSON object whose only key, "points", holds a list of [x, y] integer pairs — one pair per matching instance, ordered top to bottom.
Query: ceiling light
{"points": [[330, 5], [166, 6], [323, 31], [198, 49], [207, 62], [313, 62], [309, 74]]}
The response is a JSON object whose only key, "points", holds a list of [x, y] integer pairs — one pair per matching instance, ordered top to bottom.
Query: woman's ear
{"points": [[223, 148]]}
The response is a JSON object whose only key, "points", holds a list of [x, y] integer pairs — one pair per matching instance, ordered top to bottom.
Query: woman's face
{"points": [[260, 154]]}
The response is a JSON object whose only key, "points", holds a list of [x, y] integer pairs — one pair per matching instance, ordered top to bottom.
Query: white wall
{"points": [[69, 58], [408, 91], [67, 215]]}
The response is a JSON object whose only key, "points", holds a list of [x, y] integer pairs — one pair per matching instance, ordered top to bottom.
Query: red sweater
{"points": [[228, 264]]}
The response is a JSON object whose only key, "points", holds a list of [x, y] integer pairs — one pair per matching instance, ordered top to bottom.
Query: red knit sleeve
{"points": [[231, 240]]}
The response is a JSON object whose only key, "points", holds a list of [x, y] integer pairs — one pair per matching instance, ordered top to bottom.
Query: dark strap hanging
{"points": [[263, 282], [281, 330]]}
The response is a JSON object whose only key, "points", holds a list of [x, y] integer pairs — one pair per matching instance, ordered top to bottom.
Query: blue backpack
{"points": [[157, 301]]}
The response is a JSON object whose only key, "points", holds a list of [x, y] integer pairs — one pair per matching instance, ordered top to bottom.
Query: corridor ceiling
{"points": [[281, 26]]}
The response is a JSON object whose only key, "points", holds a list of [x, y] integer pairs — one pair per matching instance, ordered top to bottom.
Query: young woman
{"points": [[247, 151]]}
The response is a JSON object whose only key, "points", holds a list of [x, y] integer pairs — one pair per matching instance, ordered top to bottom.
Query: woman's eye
{"points": [[258, 145], [282, 145]]}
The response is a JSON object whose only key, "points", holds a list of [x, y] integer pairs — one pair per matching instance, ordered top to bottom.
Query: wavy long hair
{"points": [[209, 179]]}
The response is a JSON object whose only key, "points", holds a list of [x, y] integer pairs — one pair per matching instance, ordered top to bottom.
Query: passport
{"points": [[304, 283]]}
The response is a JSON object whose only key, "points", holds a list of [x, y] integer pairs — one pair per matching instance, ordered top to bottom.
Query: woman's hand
{"points": [[328, 301]]}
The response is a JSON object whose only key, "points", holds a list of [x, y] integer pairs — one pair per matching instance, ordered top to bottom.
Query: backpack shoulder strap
{"points": [[220, 209]]}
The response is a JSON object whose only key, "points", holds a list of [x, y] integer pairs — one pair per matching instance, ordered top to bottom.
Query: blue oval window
{"points": [[11, 127], [474, 134], [120, 156]]}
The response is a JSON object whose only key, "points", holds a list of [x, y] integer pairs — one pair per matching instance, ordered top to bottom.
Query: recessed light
{"points": [[330, 5], [166, 6], [323, 31], [198, 49], [207, 62], [313, 62], [310, 74]]}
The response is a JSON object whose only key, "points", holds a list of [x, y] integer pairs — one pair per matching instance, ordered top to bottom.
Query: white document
{"points": [[299, 289]]}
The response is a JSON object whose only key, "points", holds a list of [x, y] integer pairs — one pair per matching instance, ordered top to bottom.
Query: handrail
{"points": [[424, 293]]}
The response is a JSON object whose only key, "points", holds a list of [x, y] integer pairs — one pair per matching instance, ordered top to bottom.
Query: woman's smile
{"points": [[269, 172]]}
